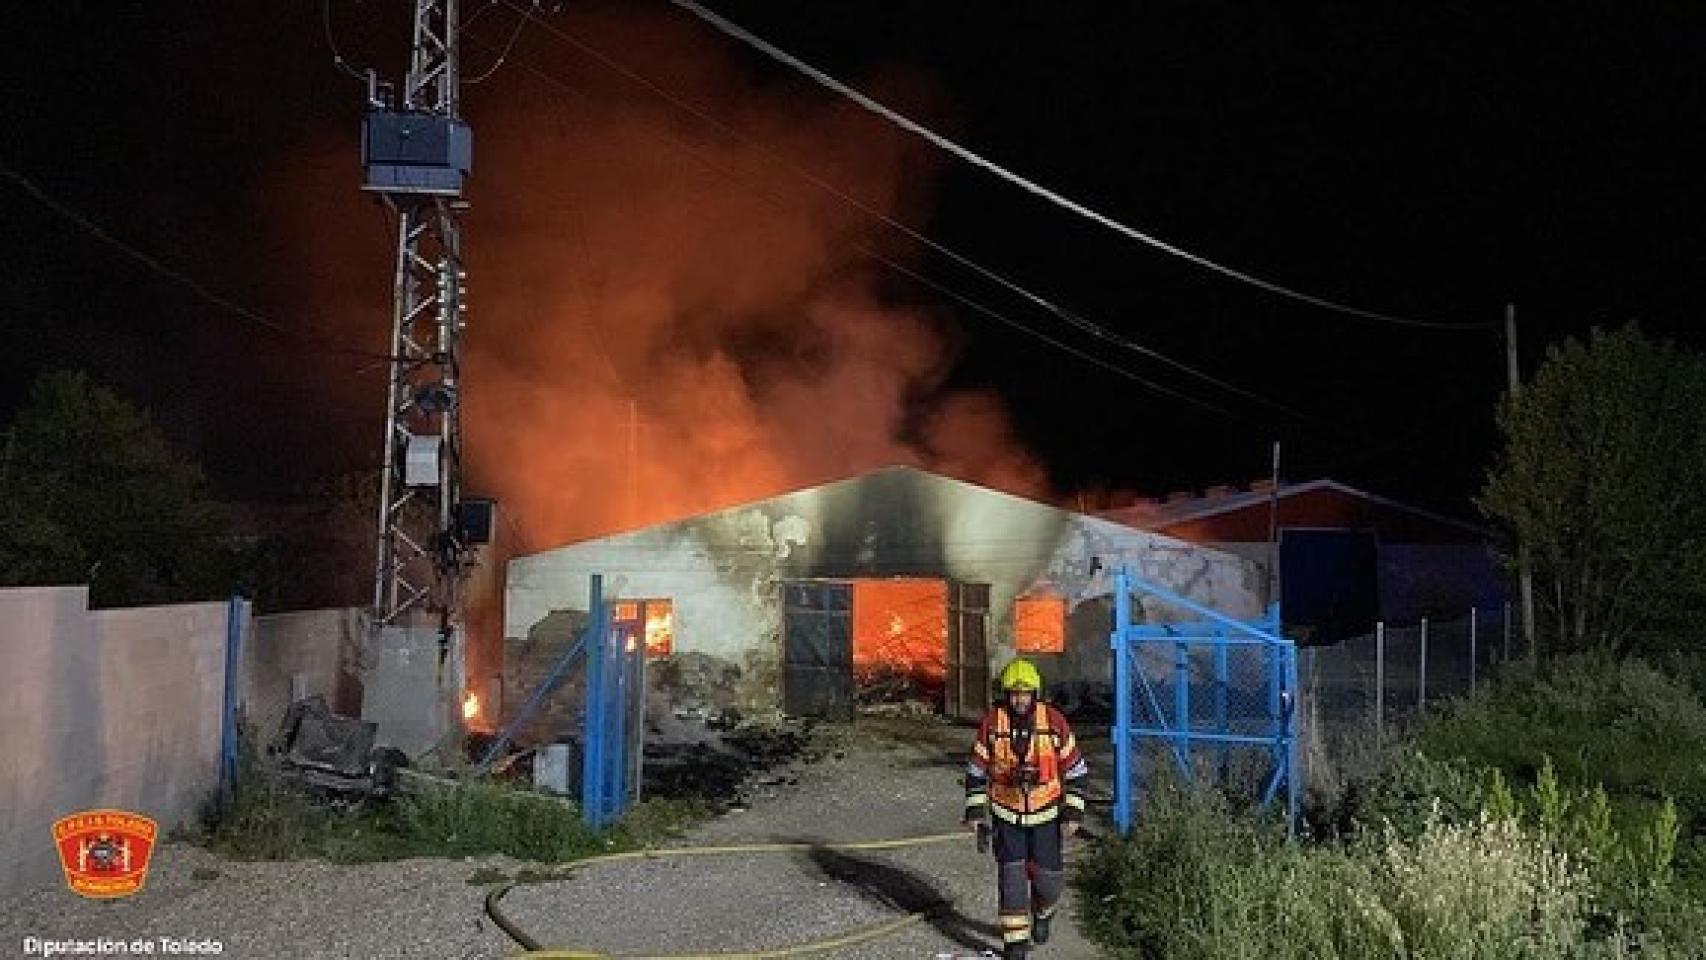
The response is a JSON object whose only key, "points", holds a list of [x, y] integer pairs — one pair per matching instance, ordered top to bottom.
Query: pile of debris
{"points": [[896, 689], [333, 756], [720, 759]]}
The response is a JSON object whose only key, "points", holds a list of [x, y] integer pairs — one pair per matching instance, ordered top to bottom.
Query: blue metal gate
{"points": [[1213, 699], [613, 720], [614, 724]]}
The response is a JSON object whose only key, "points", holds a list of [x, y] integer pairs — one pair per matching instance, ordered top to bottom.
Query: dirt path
{"points": [[881, 779]]}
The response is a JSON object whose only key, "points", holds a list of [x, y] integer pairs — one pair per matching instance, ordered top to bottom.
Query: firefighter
{"points": [[1026, 782]]}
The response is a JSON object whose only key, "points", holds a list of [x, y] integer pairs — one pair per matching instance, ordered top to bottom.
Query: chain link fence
{"points": [[1371, 689]]}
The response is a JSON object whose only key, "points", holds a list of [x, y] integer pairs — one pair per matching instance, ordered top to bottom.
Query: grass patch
{"points": [[272, 819]]}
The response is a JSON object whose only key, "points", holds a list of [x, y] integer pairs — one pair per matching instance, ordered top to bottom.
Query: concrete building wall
{"points": [[723, 571], [301, 654], [411, 696], [115, 708]]}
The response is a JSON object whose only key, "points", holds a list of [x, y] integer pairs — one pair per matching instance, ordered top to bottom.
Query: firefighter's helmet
{"points": [[1021, 675]]}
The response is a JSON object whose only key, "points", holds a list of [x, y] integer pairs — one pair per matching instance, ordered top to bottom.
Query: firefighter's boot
{"points": [[1040, 925], [1016, 950]]}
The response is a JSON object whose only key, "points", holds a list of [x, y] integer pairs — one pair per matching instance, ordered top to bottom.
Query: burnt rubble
{"points": [[731, 758]]}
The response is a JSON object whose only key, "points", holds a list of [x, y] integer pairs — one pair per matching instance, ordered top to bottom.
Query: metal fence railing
{"points": [[1368, 689]]}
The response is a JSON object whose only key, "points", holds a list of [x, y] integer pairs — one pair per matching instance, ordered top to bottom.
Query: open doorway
{"points": [[900, 641], [918, 641]]}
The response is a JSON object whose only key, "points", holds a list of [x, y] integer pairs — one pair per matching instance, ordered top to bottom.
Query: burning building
{"points": [[901, 577]]}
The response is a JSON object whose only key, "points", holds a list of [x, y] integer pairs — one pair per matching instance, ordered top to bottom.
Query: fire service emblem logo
{"points": [[104, 852]]}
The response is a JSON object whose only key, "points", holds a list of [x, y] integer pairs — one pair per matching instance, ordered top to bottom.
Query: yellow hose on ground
{"points": [[532, 947]]}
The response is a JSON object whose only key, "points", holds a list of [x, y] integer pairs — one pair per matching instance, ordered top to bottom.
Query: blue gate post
{"points": [[236, 618], [1273, 658], [1222, 678], [1182, 709], [610, 723], [1275, 725], [592, 734], [620, 768], [1125, 777], [1294, 783]]}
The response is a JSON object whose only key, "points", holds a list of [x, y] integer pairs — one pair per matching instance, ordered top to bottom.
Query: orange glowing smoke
{"points": [[666, 319], [663, 320], [900, 626]]}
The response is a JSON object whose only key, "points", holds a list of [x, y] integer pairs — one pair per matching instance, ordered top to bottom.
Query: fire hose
{"points": [[533, 948]]}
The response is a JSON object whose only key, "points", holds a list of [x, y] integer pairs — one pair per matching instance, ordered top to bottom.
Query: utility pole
{"points": [[417, 152], [633, 464], [1273, 530], [1525, 570]]}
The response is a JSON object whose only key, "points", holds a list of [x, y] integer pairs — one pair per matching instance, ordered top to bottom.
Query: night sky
{"points": [[1428, 160]]}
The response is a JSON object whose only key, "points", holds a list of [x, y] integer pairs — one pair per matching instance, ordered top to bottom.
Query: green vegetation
{"points": [[1600, 480], [93, 493], [1624, 726], [1550, 817], [271, 819]]}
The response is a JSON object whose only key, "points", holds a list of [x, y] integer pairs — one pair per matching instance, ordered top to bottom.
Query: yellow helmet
{"points": [[1021, 675]]}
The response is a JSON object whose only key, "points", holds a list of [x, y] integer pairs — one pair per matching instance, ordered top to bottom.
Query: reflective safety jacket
{"points": [[1025, 769]]}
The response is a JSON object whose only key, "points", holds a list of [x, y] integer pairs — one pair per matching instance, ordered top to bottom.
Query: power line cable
{"points": [[520, 22], [338, 58], [971, 157], [195, 286], [1013, 286], [980, 308], [1084, 355], [1313, 429]]}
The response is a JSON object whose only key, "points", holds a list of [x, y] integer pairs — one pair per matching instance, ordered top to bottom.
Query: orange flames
{"points": [[663, 320], [654, 619], [660, 619], [901, 626], [470, 705]]}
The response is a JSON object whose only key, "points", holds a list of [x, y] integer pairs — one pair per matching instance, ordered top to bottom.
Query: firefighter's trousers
{"points": [[1032, 874]]}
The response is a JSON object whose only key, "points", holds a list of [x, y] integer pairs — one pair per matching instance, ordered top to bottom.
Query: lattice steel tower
{"points": [[417, 153]]}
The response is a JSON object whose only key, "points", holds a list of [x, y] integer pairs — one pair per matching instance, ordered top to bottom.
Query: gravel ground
{"points": [[886, 778]]}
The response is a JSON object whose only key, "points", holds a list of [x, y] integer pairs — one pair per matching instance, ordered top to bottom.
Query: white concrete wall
{"points": [[722, 570], [320, 651], [413, 700], [112, 708]]}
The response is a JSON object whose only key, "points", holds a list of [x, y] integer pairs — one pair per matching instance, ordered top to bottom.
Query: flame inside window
{"points": [[656, 618], [1039, 624]]}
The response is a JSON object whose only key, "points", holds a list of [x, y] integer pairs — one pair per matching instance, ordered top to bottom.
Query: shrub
{"points": [[1625, 725], [1412, 789], [1194, 882], [1485, 889]]}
